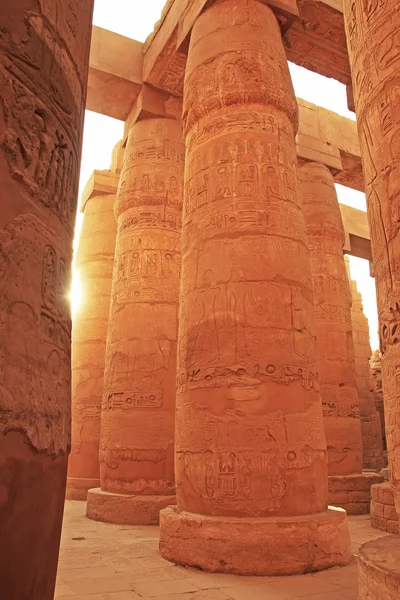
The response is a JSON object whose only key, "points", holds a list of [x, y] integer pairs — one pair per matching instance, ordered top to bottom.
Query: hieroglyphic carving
{"points": [[317, 41], [44, 53], [375, 63], [42, 120], [94, 264], [332, 297], [54, 324], [142, 330], [35, 336], [246, 345], [377, 391]]}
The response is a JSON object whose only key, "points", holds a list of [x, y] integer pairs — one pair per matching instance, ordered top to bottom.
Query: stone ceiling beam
{"points": [[317, 41], [115, 73], [115, 81], [357, 236]]}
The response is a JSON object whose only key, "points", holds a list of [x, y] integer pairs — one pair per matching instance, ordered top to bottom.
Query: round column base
{"points": [[77, 487], [352, 492], [125, 509], [383, 511], [272, 546], [379, 569]]}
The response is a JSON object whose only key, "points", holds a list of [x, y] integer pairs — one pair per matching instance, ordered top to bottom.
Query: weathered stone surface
{"points": [[372, 30], [317, 40], [44, 51], [115, 73], [94, 265], [332, 298], [334, 348], [375, 364], [137, 422], [249, 430], [371, 430], [352, 492], [383, 493], [126, 509], [383, 511], [313, 542], [379, 569]]}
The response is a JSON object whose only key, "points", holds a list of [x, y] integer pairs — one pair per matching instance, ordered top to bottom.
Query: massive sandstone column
{"points": [[373, 34], [44, 50], [94, 263], [375, 365], [370, 417], [137, 422], [250, 448], [348, 487]]}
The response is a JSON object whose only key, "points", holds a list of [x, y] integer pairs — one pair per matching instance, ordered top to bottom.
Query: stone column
{"points": [[372, 30], [44, 51], [94, 263], [375, 365], [370, 417], [137, 422], [250, 447], [349, 488]]}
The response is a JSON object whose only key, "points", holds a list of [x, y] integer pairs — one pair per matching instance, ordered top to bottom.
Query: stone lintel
{"points": [[286, 12], [317, 40], [166, 48], [163, 65], [115, 73], [152, 103], [325, 136], [316, 150], [99, 184], [357, 236]]}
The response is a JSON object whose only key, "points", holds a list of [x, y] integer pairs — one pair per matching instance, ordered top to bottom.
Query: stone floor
{"points": [[112, 562]]}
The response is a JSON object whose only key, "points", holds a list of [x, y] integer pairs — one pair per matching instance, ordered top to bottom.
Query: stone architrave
{"points": [[373, 40], [44, 52], [94, 264], [375, 365], [137, 422], [371, 431], [251, 464], [348, 486]]}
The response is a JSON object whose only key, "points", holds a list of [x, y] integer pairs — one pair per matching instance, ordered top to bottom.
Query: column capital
{"points": [[286, 12], [153, 104], [99, 183]]}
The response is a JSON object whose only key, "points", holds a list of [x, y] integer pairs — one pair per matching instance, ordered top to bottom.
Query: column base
{"points": [[77, 487], [352, 492], [125, 509], [383, 510], [272, 546], [379, 569]]}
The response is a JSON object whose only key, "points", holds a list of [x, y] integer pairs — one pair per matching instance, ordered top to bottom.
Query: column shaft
{"points": [[373, 40], [44, 52], [94, 264], [376, 385], [370, 417], [137, 423], [249, 431], [348, 487]]}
